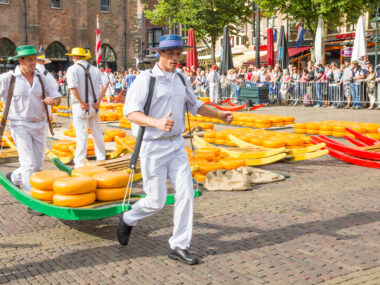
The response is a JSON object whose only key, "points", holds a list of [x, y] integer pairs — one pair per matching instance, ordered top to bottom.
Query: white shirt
{"points": [[41, 68], [75, 77], [213, 77], [170, 95], [26, 105]]}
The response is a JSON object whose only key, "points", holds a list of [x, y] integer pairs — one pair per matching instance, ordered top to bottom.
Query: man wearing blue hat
{"points": [[27, 112], [163, 153]]}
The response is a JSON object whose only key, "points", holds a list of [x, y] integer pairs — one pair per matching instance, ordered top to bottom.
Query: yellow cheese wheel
{"points": [[288, 119], [263, 121], [277, 124], [262, 126], [300, 126], [312, 126], [371, 127], [326, 128], [339, 128], [358, 128], [300, 131], [115, 132], [312, 132], [325, 133], [210, 134], [338, 134], [220, 135], [375, 136], [209, 140], [220, 141], [256, 141], [293, 142], [273, 143], [63, 145], [216, 151], [61, 153], [205, 155], [229, 163], [205, 168], [89, 170], [200, 177], [44, 179], [112, 179], [74, 185], [111, 194], [44, 195], [73, 201]]}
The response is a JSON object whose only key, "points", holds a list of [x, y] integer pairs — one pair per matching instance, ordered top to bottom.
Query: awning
{"points": [[291, 51]]}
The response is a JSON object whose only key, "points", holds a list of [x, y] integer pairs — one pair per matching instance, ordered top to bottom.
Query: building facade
{"points": [[59, 25]]}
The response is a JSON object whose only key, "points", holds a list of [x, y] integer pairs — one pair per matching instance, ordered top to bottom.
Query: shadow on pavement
{"points": [[141, 246]]}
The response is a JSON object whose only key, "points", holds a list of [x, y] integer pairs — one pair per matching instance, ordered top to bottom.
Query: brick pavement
{"points": [[320, 226]]}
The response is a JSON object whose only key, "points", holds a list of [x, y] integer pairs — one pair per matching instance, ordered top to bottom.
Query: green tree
{"points": [[333, 12], [206, 17]]}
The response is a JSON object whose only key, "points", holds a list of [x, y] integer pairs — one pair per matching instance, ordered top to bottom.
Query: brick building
{"points": [[60, 25]]}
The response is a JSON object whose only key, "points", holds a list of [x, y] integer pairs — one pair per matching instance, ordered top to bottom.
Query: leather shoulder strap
{"points": [[182, 79], [7, 105], [46, 108]]}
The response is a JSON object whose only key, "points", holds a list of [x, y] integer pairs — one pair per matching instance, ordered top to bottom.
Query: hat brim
{"points": [[174, 47], [72, 54], [18, 56], [46, 60]]}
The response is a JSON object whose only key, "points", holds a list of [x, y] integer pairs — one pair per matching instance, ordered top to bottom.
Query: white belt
{"points": [[37, 120], [167, 138]]}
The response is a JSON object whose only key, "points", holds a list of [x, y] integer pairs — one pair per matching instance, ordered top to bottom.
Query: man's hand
{"points": [[48, 101], [96, 105], [84, 106], [226, 117], [165, 124]]}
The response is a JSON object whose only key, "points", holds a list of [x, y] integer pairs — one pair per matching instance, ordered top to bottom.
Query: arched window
{"points": [[7, 48], [56, 51], [107, 53], [108, 57]]}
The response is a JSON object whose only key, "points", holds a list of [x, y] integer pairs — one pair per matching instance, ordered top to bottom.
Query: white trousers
{"points": [[110, 91], [214, 92], [81, 122], [30, 140], [161, 160]]}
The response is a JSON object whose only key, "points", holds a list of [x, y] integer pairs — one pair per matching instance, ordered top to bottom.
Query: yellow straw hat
{"points": [[78, 51], [42, 57]]}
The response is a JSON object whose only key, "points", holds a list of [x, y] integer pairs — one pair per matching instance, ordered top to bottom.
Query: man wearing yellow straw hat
{"points": [[40, 66], [88, 87], [27, 113], [163, 153]]}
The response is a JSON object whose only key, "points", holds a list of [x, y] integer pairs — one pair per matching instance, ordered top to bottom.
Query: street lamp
{"points": [[376, 38]]}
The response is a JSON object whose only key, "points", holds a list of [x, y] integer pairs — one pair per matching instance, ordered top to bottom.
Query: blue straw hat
{"points": [[171, 42]]}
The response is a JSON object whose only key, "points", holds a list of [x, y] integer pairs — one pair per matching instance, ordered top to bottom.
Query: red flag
{"points": [[98, 47]]}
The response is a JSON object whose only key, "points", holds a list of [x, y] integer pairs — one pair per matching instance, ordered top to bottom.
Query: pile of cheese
{"points": [[338, 128], [264, 138], [86, 185]]}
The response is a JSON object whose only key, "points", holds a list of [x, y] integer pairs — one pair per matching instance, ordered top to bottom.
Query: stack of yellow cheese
{"points": [[124, 123], [110, 134], [42, 183], [111, 186]]}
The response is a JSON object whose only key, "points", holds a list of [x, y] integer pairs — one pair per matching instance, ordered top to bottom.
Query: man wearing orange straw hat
{"points": [[86, 98], [163, 153]]}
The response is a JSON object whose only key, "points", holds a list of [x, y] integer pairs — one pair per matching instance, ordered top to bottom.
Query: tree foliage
{"points": [[333, 12], [206, 17]]}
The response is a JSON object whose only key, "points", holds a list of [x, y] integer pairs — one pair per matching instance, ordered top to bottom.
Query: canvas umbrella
{"points": [[319, 42], [360, 43], [270, 47], [282, 50], [192, 55], [226, 62]]}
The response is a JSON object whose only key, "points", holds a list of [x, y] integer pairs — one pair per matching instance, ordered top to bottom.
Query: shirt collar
{"points": [[159, 72]]}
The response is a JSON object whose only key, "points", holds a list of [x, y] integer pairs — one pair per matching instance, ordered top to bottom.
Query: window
{"points": [[4, 1], [56, 4], [104, 5], [139, 21], [154, 38], [237, 41], [7, 47], [55, 51], [107, 53]]}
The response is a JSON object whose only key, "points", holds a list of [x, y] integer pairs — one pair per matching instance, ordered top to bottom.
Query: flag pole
{"points": [[98, 47]]}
